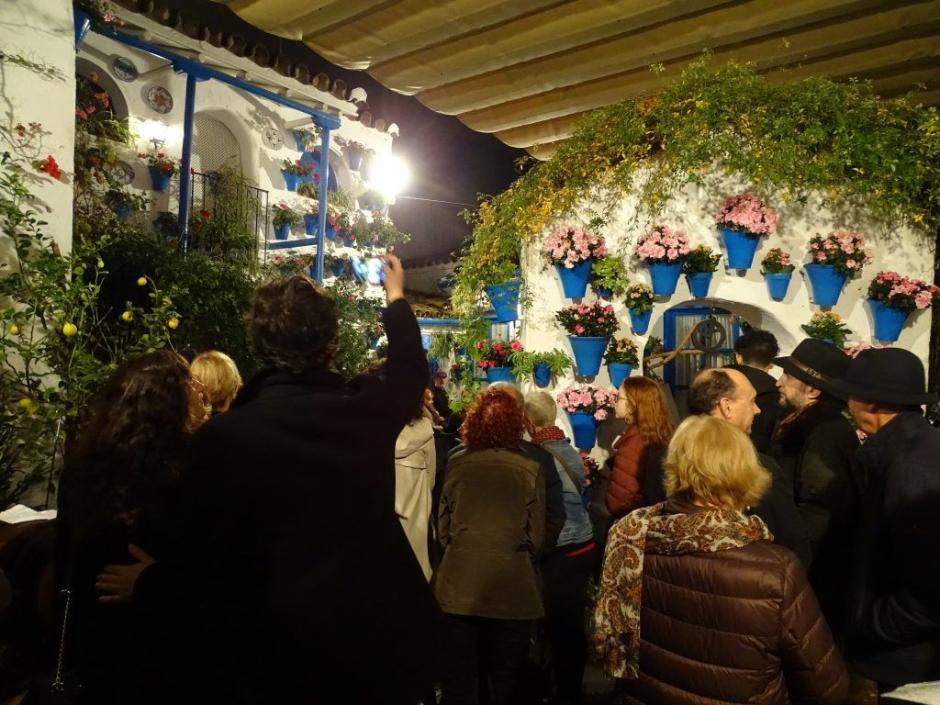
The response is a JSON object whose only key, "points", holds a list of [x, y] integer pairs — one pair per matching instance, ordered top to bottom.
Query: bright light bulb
{"points": [[153, 131], [389, 175]]}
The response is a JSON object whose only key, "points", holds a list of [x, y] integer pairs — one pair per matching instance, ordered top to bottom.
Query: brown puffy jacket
{"points": [[627, 474], [736, 626]]}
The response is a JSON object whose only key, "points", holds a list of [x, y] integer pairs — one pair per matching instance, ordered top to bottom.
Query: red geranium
{"points": [[49, 166]]}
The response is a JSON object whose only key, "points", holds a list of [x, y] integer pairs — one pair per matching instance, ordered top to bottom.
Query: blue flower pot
{"points": [[82, 25], [301, 139], [354, 157], [159, 179], [290, 180], [122, 211], [311, 221], [282, 232], [330, 232], [348, 240], [741, 248], [338, 267], [665, 277], [574, 281], [699, 283], [827, 283], [777, 284], [604, 292], [505, 300], [888, 321], [640, 322], [588, 354], [618, 371], [499, 374], [542, 374], [584, 429]]}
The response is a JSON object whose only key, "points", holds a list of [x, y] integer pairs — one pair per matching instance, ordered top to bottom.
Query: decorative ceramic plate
{"points": [[124, 68], [159, 99], [272, 137], [123, 173]]}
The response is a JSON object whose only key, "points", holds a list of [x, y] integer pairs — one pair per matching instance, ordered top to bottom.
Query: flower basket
{"points": [[354, 156], [160, 178], [291, 179], [284, 218], [743, 219], [311, 223], [282, 231], [349, 239], [663, 249], [572, 250], [698, 267], [777, 270], [609, 277], [826, 282], [699, 283], [778, 283], [892, 297], [505, 299], [640, 321], [888, 321], [589, 326], [827, 326], [588, 353], [621, 357], [496, 359], [541, 365], [618, 372], [499, 374], [542, 374], [586, 406]]}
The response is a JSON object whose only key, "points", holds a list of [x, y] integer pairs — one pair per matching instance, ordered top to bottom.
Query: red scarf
{"points": [[549, 433]]}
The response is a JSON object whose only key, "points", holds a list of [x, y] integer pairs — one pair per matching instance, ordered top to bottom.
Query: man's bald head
{"points": [[726, 394]]}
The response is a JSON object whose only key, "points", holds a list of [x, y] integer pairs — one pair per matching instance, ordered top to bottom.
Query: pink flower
{"points": [[923, 300], [579, 329], [516, 345], [600, 414]]}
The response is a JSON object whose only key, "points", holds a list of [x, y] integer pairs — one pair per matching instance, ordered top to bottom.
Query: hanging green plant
{"points": [[610, 273], [557, 360]]}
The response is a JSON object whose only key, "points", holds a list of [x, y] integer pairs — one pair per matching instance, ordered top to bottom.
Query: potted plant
{"points": [[92, 13], [307, 138], [354, 152], [161, 167], [292, 171], [124, 202], [284, 219], [312, 219], [743, 220], [341, 226], [572, 250], [663, 250], [837, 257], [336, 264], [699, 266], [777, 270], [609, 277], [893, 297], [640, 305], [589, 326], [828, 326], [495, 357], [621, 359], [542, 366], [586, 406]]}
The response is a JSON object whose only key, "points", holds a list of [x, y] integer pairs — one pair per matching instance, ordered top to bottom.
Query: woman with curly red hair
{"points": [[491, 526]]}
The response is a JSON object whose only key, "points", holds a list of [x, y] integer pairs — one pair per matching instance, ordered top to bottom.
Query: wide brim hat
{"points": [[816, 363], [886, 375]]}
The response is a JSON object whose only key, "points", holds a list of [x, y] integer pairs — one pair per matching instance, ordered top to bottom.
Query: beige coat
{"points": [[415, 462]]}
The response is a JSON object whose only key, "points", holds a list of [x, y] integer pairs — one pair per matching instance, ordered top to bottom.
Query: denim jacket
{"points": [[577, 527]]}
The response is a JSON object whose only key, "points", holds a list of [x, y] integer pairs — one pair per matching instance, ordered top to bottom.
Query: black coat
{"points": [[768, 401], [776, 508], [298, 575], [896, 627]]}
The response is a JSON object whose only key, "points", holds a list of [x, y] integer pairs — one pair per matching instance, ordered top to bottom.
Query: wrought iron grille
{"points": [[228, 216]]}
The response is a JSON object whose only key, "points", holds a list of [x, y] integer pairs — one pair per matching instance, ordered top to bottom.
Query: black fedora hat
{"points": [[815, 362], [886, 375]]}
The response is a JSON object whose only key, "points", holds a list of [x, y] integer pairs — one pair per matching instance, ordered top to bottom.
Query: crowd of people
{"points": [[313, 539]]}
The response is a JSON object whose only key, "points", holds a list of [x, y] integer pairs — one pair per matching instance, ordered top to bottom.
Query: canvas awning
{"points": [[526, 70]]}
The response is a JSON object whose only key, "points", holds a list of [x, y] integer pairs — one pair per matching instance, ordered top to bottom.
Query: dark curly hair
{"points": [[293, 324], [757, 347], [708, 388], [493, 420], [132, 443]]}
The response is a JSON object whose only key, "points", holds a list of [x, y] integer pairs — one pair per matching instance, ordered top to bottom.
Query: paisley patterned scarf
{"points": [[616, 635]]}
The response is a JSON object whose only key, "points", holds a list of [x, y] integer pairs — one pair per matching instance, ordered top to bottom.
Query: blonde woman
{"points": [[219, 375], [727, 615]]}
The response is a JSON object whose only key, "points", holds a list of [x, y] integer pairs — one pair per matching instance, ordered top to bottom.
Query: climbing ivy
{"points": [[788, 139]]}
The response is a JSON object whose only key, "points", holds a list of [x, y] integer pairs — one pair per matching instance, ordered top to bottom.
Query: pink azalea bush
{"points": [[747, 213], [570, 244], [662, 244], [844, 250], [777, 262], [903, 293], [639, 298], [595, 319], [496, 353], [593, 400]]}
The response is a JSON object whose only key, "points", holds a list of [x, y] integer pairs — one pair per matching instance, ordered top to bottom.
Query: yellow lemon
{"points": [[100, 263], [142, 281], [127, 316], [173, 323], [14, 329], [69, 329], [26, 403]]}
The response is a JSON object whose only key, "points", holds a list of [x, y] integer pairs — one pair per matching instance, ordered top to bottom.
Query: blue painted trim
{"points": [[203, 72], [186, 160], [324, 181], [289, 244], [441, 322]]}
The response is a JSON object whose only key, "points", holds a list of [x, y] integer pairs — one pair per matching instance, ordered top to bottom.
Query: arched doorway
{"points": [[214, 145]]}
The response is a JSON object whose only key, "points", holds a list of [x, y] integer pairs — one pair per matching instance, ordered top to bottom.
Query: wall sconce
{"points": [[154, 132]]}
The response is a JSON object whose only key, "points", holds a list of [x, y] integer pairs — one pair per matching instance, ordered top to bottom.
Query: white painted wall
{"points": [[42, 31], [900, 248]]}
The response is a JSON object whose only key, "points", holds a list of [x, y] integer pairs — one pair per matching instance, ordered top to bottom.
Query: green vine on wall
{"points": [[788, 139]]}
